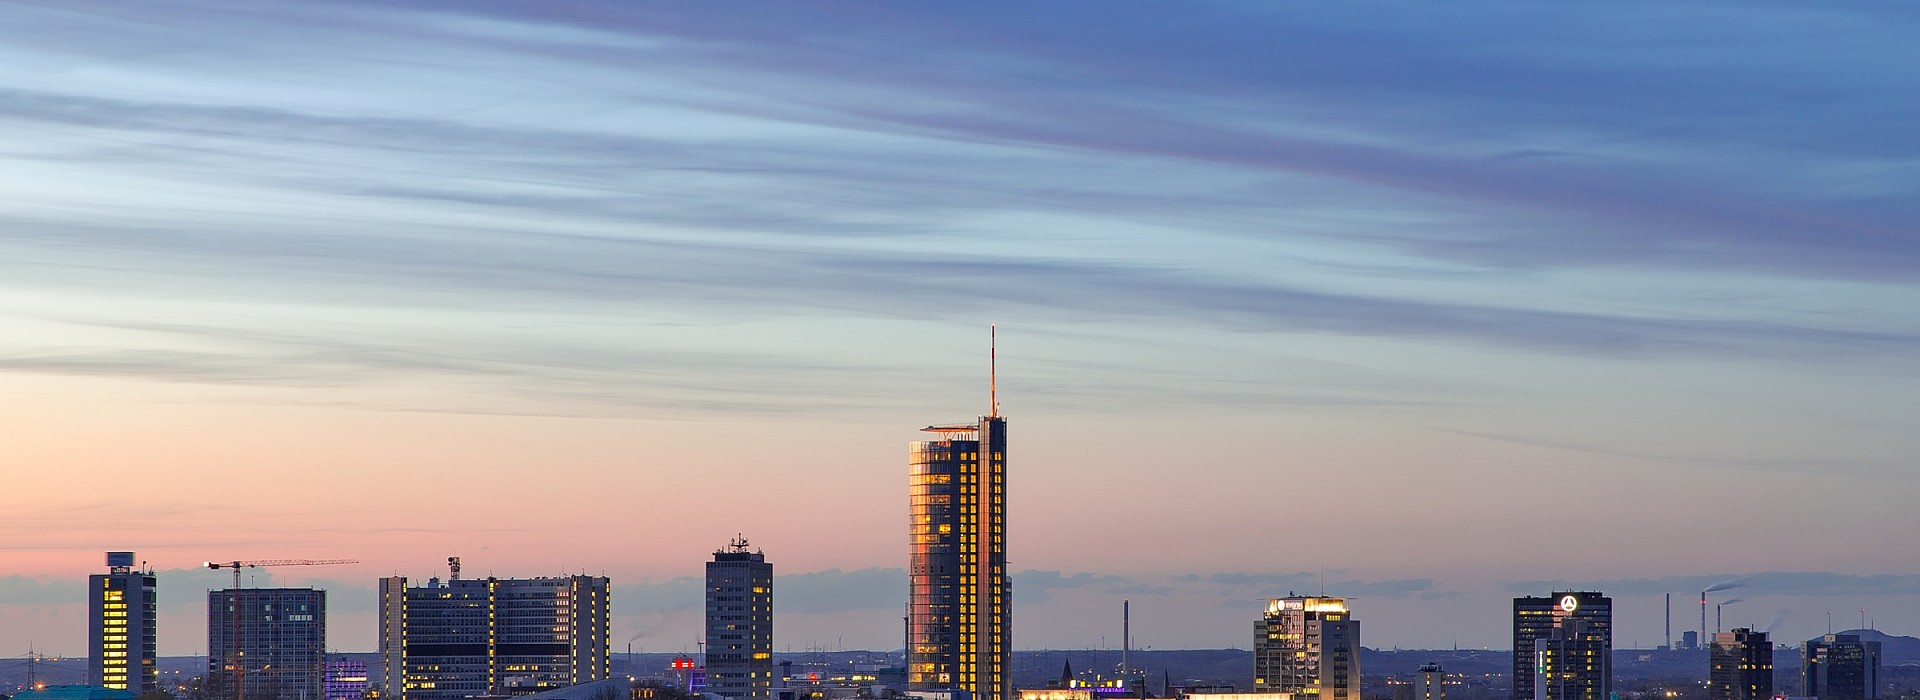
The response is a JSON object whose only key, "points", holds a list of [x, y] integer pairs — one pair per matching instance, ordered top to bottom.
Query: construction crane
{"points": [[233, 647]]}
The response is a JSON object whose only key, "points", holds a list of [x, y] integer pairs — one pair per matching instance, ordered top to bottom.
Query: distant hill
{"points": [[1895, 650]]}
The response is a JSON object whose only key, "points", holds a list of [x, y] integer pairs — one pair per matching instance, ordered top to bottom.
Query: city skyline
{"points": [[328, 279]]}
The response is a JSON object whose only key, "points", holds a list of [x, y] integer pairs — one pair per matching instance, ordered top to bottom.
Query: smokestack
{"points": [[1716, 617], [1703, 620], [1669, 627], [1126, 639]]}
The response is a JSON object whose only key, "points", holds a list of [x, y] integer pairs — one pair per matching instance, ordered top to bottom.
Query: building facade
{"points": [[959, 609], [122, 619], [740, 623], [466, 637], [271, 641], [1308, 646], [1563, 647], [1740, 666], [1840, 667], [346, 679], [1431, 684]]}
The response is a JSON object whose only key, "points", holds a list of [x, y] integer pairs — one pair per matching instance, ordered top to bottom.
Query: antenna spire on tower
{"points": [[993, 370]]}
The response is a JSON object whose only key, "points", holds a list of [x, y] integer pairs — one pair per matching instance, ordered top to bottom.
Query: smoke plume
{"points": [[1778, 618]]}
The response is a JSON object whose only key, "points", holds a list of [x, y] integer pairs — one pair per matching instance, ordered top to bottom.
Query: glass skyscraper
{"points": [[959, 609], [1308, 646], [1563, 647], [1741, 666], [1840, 667]]}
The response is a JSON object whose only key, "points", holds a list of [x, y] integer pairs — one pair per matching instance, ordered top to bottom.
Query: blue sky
{"points": [[1282, 287]]}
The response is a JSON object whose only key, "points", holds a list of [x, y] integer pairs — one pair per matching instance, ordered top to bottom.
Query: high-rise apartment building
{"points": [[959, 610], [122, 617], [740, 623], [466, 637], [272, 641], [1307, 645], [1563, 647], [1740, 666], [1840, 667]]}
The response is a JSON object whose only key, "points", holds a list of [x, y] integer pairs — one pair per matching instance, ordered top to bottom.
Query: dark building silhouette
{"points": [[1563, 647], [1740, 666], [1840, 667]]}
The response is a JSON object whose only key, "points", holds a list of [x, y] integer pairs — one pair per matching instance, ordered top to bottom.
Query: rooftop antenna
{"points": [[993, 370], [453, 568]]}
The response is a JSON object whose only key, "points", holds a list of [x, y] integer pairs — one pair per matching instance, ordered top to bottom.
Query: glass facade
{"points": [[959, 631], [469, 637], [273, 641], [1308, 646], [1563, 647], [1742, 666], [1840, 667], [346, 679]]}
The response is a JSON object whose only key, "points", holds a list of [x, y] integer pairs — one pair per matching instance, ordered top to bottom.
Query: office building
{"points": [[959, 609], [122, 616], [740, 623], [466, 637], [271, 641], [1307, 645], [1563, 647], [1741, 666], [1840, 667], [346, 679], [1432, 683]]}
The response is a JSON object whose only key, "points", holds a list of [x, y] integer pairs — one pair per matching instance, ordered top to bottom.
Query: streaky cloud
{"points": [[1766, 583]]}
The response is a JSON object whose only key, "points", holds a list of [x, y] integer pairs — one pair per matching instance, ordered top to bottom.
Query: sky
{"points": [[1426, 305]]}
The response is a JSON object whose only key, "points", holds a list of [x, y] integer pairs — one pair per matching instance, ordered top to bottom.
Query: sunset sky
{"points": [[1429, 304]]}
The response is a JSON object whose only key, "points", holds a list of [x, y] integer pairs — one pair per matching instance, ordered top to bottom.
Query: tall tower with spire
{"points": [[959, 626]]}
